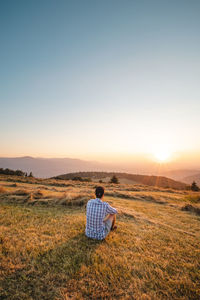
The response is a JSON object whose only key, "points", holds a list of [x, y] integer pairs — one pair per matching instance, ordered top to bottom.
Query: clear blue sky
{"points": [[95, 78]]}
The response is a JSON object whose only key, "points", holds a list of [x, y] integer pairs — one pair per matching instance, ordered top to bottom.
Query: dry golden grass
{"points": [[2, 190], [193, 197], [192, 208], [44, 253]]}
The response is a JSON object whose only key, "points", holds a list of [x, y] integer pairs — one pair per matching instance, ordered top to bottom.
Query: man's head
{"points": [[99, 192]]}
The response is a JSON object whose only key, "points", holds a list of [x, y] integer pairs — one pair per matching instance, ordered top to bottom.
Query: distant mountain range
{"points": [[48, 167], [51, 167], [187, 176], [192, 178], [159, 181]]}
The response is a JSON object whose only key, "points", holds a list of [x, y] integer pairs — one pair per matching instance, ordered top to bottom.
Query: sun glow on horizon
{"points": [[162, 155]]}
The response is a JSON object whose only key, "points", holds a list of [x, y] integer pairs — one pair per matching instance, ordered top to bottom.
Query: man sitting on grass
{"points": [[101, 216]]}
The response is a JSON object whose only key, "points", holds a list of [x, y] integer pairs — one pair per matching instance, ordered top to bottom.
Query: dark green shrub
{"points": [[114, 179], [194, 187]]}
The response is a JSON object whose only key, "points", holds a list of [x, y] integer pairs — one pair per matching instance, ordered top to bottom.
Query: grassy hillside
{"points": [[159, 181], [44, 253]]}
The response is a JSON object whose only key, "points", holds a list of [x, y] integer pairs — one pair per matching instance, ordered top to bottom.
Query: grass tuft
{"points": [[3, 190], [23, 192], [193, 198], [191, 208]]}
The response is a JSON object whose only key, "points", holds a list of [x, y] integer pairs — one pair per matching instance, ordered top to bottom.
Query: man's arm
{"points": [[111, 210]]}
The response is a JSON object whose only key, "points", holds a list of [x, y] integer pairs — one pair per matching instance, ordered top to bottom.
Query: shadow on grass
{"points": [[46, 274]]}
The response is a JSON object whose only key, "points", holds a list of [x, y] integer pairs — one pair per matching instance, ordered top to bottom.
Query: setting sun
{"points": [[162, 155]]}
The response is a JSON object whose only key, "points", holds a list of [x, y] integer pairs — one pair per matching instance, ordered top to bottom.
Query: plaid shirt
{"points": [[96, 212]]}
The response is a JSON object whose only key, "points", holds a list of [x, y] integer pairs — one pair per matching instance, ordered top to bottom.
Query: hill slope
{"points": [[159, 181]]}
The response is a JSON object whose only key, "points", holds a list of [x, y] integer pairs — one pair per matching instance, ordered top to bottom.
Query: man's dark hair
{"points": [[99, 191]]}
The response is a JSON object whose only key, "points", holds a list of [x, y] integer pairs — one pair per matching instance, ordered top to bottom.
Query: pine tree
{"points": [[114, 179], [194, 187]]}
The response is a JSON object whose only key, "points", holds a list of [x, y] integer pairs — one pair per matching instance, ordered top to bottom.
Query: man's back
{"points": [[96, 212]]}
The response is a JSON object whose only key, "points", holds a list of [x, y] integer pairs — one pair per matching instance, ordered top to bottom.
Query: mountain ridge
{"points": [[48, 167], [151, 180]]}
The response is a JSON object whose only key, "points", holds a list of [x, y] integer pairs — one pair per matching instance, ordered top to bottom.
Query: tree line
{"points": [[15, 172]]}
